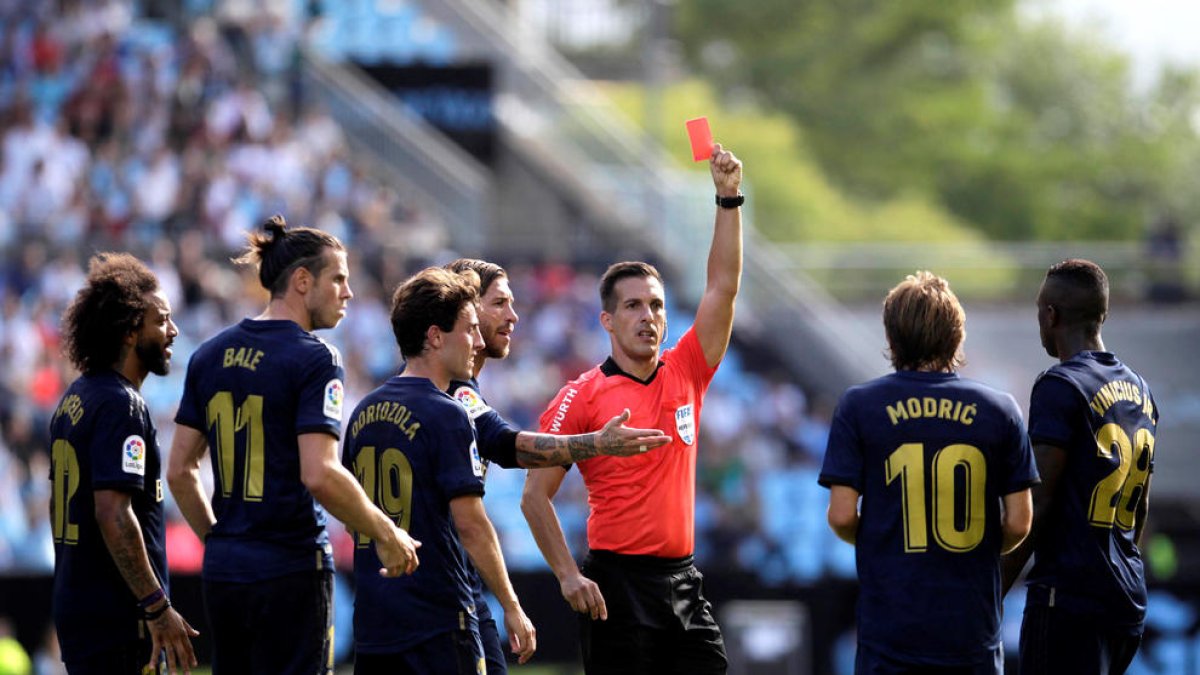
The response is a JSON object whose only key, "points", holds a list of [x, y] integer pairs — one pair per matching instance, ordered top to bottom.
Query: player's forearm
{"points": [[536, 450], [343, 497], [193, 503], [547, 532], [122, 535], [483, 546]]}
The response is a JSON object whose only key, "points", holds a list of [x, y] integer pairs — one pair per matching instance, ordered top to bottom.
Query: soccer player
{"points": [[266, 396], [1092, 422], [509, 447], [413, 449], [944, 468], [110, 571], [639, 593]]}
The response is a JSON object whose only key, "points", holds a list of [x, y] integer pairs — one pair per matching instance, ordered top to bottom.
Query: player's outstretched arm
{"points": [[714, 316], [188, 448], [537, 450], [1051, 461], [333, 486], [536, 503], [843, 512], [122, 535], [483, 546]]}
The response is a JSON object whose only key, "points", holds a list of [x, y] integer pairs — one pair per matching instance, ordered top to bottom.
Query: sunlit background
{"points": [[982, 140]]}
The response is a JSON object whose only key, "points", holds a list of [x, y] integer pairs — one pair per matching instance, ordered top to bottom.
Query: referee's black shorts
{"points": [[658, 620]]}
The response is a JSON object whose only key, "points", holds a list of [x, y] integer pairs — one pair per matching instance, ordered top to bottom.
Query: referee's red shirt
{"points": [[645, 504]]}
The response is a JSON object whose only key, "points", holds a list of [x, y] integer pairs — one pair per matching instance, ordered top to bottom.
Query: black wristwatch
{"points": [[731, 202]]}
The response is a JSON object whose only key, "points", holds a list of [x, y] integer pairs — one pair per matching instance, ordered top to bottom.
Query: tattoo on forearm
{"points": [[551, 450], [129, 553]]}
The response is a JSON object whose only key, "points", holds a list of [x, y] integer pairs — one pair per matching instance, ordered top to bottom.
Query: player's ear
{"points": [[302, 279], [606, 320], [433, 336]]}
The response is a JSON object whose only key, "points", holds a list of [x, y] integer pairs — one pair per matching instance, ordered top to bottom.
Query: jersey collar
{"points": [[610, 368]]}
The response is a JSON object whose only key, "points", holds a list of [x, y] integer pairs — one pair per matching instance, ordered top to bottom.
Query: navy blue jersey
{"points": [[253, 389], [1102, 414], [102, 438], [413, 449], [932, 455]]}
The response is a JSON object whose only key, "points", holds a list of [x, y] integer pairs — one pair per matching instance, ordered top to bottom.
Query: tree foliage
{"points": [[1020, 126]]}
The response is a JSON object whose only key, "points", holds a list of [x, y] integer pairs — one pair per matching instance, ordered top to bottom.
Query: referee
{"points": [[639, 595]]}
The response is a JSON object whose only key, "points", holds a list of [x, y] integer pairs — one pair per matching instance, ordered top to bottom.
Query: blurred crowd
{"points": [[121, 132]]}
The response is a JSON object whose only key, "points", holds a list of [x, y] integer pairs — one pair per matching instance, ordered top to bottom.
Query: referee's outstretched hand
{"points": [[618, 440], [398, 555]]}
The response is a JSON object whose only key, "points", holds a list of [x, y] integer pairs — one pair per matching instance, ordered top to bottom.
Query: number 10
{"points": [[908, 464]]}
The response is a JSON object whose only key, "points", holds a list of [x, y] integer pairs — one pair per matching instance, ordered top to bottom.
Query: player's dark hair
{"points": [[278, 251], [488, 271], [617, 272], [434, 296], [1083, 296], [111, 304], [925, 324]]}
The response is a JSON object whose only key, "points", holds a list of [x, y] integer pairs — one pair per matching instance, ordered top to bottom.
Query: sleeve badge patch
{"points": [[335, 394], [471, 401], [133, 456], [476, 461]]}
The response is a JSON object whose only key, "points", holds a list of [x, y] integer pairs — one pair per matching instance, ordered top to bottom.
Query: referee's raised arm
{"points": [[714, 316]]}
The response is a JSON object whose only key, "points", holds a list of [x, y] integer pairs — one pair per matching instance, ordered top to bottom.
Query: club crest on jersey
{"points": [[335, 393], [471, 401], [685, 423], [133, 457], [476, 461]]}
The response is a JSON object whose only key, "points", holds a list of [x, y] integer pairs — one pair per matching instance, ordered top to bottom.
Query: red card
{"points": [[701, 138]]}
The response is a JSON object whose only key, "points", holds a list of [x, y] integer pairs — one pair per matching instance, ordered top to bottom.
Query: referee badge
{"points": [[685, 423]]}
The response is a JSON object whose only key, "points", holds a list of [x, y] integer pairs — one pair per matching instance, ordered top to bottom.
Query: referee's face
{"points": [[638, 325]]}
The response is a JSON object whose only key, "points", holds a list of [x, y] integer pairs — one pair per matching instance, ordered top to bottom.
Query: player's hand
{"points": [[726, 171], [618, 440], [398, 555], [584, 596], [172, 633], [522, 636]]}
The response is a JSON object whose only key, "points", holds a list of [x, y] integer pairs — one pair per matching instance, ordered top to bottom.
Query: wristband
{"points": [[731, 202], [154, 597], [151, 616]]}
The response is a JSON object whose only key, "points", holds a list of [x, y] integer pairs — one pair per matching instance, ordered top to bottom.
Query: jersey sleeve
{"points": [[690, 355], [322, 392], [1053, 405], [191, 411], [496, 436], [119, 445], [843, 454], [1017, 463], [460, 470]]}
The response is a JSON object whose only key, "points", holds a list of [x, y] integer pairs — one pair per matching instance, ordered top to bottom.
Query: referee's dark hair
{"points": [[278, 251], [488, 271], [617, 272], [1080, 292], [435, 296], [111, 305]]}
